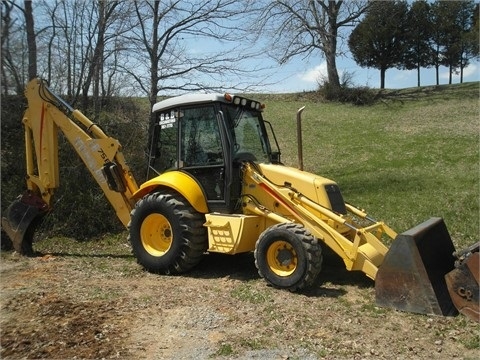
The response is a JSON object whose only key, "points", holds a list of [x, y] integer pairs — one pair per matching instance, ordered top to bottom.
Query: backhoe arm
{"points": [[46, 116]]}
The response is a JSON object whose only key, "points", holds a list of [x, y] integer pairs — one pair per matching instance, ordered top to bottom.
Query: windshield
{"points": [[250, 142]]}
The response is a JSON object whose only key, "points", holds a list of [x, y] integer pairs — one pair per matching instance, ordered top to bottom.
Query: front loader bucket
{"points": [[20, 220], [412, 275]]}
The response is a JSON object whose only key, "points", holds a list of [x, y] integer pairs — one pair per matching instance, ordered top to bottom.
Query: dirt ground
{"points": [[99, 304]]}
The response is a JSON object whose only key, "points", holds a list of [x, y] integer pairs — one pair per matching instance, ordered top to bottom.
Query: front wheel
{"points": [[166, 233], [288, 256]]}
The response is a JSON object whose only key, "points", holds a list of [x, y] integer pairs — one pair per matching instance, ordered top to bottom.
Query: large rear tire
{"points": [[167, 234], [287, 256]]}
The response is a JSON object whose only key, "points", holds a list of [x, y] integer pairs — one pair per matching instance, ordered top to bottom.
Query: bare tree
{"points": [[107, 15], [304, 27], [165, 33], [83, 36], [31, 40], [158, 45], [11, 48]]}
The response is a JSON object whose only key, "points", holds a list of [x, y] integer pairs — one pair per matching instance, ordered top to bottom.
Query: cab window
{"points": [[200, 138]]}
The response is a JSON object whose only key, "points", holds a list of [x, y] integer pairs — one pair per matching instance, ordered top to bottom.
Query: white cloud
{"points": [[471, 71], [314, 75], [404, 75]]}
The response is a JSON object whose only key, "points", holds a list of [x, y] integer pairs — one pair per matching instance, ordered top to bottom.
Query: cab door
{"points": [[193, 139], [205, 153]]}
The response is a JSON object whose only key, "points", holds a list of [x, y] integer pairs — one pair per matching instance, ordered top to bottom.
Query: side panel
{"points": [[180, 182], [234, 233]]}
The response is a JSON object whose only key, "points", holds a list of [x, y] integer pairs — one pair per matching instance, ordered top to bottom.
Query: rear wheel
{"points": [[167, 234], [288, 256]]}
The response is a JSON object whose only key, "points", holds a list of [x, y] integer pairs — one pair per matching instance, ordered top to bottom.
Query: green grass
{"points": [[413, 155], [246, 292], [224, 350]]}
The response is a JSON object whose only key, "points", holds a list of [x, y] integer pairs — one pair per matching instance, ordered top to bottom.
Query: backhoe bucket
{"points": [[20, 220], [412, 275], [462, 283]]}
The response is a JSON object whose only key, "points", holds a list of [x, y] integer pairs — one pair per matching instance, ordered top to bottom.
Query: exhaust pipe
{"points": [[299, 138]]}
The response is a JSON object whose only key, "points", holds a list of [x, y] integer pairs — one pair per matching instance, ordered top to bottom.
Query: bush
{"points": [[355, 95]]}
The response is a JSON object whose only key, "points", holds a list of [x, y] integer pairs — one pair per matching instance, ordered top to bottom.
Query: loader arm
{"points": [[46, 116], [360, 247]]}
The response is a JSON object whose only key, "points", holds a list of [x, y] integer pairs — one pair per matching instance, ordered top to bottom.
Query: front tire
{"points": [[167, 234], [287, 256]]}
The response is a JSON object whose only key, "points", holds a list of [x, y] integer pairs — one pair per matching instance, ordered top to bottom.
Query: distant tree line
{"points": [[415, 35], [96, 49], [93, 50]]}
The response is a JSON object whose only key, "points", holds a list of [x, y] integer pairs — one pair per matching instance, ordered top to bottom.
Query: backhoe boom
{"points": [[46, 116]]}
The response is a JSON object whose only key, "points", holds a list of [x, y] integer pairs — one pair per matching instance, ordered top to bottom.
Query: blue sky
{"points": [[301, 75]]}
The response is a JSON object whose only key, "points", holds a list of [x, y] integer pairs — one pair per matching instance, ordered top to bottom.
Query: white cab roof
{"points": [[187, 100]]}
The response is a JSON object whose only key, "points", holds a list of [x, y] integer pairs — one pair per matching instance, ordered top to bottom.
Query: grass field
{"points": [[411, 156]]}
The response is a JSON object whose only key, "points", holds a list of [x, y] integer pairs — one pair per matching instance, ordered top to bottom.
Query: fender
{"points": [[181, 182]]}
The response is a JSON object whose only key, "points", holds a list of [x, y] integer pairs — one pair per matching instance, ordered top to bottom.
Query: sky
{"points": [[304, 74], [301, 75]]}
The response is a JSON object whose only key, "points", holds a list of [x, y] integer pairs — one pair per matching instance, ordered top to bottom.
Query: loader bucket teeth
{"points": [[20, 220], [412, 275], [462, 283]]}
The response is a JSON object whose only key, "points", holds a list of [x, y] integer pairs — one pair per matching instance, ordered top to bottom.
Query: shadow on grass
{"points": [[450, 92], [60, 254], [242, 267]]}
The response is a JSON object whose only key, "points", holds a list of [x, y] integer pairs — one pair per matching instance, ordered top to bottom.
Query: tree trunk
{"points": [[31, 42], [330, 44], [99, 53], [154, 58], [96, 64], [461, 71], [418, 75], [333, 78], [382, 78]]}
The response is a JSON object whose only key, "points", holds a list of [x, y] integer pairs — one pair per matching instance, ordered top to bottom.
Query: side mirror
{"points": [[276, 157]]}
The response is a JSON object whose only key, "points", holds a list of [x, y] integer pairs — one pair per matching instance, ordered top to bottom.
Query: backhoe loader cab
{"points": [[205, 136], [215, 183]]}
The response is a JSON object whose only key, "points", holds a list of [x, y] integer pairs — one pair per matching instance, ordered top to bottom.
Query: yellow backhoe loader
{"points": [[216, 184]]}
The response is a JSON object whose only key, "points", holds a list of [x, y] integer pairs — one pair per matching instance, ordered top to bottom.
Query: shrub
{"points": [[361, 95]]}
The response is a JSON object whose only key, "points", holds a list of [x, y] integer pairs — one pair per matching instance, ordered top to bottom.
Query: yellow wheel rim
{"points": [[156, 234], [282, 258]]}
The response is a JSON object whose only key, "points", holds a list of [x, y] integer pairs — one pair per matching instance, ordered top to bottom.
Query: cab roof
{"points": [[187, 99]]}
